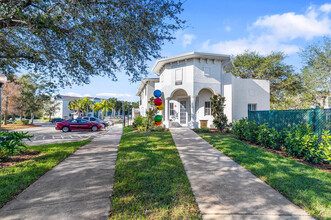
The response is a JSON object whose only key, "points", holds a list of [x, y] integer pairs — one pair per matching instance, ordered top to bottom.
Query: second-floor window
{"points": [[179, 77]]}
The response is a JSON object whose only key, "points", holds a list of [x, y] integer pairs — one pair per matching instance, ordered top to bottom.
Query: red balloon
{"points": [[158, 101], [158, 123]]}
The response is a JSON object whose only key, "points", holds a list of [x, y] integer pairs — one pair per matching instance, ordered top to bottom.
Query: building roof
{"points": [[159, 64], [144, 82], [70, 98]]}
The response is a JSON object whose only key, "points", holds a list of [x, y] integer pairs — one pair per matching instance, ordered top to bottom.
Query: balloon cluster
{"points": [[159, 106]]}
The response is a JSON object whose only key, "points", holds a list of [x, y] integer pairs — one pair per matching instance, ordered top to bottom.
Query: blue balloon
{"points": [[157, 93]]}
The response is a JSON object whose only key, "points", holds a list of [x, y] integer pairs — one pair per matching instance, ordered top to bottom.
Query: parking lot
{"points": [[46, 134]]}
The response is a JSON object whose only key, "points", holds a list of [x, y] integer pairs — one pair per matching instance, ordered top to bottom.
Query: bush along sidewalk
{"points": [[300, 141], [12, 143]]}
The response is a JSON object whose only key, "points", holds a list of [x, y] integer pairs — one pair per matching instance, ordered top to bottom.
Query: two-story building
{"points": [[187, 82]]}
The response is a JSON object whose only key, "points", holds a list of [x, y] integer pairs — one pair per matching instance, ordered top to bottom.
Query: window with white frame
{"points": [[179, 77], [252, 107], [207, 108], [172, 110]]}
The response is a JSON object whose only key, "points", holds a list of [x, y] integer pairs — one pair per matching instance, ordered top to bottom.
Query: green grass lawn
{"points": [[16, 178], [150, 180], [306, 186]]}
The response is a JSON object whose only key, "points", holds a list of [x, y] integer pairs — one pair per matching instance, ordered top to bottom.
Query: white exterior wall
{"points": [[201, 78], [249, 91], [145, 95], [204, 96]]}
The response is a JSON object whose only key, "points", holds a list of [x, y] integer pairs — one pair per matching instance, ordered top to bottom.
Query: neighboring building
{"points": [[188, 81], [64, 112]]}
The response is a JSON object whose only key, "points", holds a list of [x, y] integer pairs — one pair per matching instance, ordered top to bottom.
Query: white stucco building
{"points": [[188, 81], [63, 111]]}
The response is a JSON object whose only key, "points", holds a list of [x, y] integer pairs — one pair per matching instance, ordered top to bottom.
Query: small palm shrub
{"points": [[12, 142]]}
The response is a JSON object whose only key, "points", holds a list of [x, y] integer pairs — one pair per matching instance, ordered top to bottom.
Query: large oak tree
{"points": [[72, 40], [284, 82]]}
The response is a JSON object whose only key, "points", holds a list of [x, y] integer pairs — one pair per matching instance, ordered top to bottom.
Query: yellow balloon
{"points": [[160, 107]]}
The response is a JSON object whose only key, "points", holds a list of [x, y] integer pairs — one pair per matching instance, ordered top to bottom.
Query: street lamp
{"points": [[3, 80]]}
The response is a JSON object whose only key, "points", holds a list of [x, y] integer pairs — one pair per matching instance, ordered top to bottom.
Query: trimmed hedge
{"points": [[298, 142]]}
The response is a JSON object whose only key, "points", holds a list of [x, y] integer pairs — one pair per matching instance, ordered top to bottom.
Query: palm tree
{"points": [[112, 102], [75, 105], [86, 105], [118, 105], [106, 106], [97, 107]]}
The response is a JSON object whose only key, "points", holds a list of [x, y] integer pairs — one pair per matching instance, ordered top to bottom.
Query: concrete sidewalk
{"points": [[77, 188], [226, 190]]}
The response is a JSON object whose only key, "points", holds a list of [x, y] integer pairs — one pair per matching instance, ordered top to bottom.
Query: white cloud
{"points": [[325, 8], [228, 28], [276, 32], [187, 39], [72, 94], [116, 95]]}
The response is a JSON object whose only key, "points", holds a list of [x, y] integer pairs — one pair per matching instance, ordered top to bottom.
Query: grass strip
{"points": [[15, 179], [150, 180], [307, 187]]}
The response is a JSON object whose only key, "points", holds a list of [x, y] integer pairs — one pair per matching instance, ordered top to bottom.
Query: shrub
{"points": [[217, 109], [24, 121], [140, 121], [142, 128], [238, 128], [158, 129], [201, 130], [251, 131], [264, 136], [277, 138], [10, 142], [298, 142], [302, 142]]}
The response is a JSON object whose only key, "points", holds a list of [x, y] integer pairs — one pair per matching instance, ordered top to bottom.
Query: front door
{"points": [[182, 112]]}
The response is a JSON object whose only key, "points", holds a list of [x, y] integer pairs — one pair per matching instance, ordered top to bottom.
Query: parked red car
{"points": [[77, 124]]}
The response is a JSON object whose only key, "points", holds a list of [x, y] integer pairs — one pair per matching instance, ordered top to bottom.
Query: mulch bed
{"points": [[9, 127], [18, 158]]}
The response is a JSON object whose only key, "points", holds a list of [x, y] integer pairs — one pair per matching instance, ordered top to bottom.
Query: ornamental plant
{"points": [[217, 110], [12, 142]]}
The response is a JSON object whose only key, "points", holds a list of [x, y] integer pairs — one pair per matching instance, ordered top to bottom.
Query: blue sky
{"points": [[230, 27]]}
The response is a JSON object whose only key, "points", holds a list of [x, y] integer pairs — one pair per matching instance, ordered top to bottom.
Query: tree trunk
{"points": [[6, 112], [21, 115], [50, 116], [32, 117]]}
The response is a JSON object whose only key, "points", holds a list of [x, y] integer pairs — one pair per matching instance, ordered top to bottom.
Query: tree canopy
{"points": [[72, 40], [317, 71], [283, 81]]}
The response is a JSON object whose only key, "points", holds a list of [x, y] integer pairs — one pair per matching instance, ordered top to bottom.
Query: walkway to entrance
{"points": [[226, 190]]}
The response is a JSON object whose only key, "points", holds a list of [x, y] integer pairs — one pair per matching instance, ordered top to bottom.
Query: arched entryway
{"points": [[203, 107], [179, 108]]}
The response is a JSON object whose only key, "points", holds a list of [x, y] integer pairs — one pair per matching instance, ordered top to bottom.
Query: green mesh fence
{"points": [[319, 119]]}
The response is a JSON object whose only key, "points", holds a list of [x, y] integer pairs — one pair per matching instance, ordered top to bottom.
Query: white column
{"points": [[166, 111], [193, 123]]}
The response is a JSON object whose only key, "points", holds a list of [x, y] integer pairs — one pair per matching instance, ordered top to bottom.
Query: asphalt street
{"points": [[46, 134]]}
